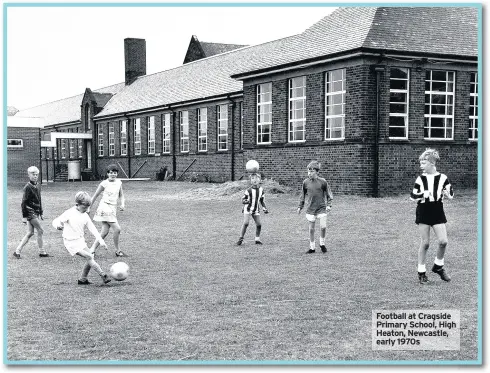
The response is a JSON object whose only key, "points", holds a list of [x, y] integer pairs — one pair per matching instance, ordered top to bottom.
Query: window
{"points": [[399, 93], [335, 105], [439, 105], [297, 109], [264, 113], [87, 117], [150, 121], [241, 125], [223, 127], [473, 127], [202, 129], [184, 131], [166, 133], [124, 136], [137, 136], [100, 142], [15, 143], [112, 143], [80, 145], [72, 148], [80, 148]]}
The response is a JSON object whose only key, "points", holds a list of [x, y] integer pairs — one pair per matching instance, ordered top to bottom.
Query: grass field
{"points": [[193, 295]]}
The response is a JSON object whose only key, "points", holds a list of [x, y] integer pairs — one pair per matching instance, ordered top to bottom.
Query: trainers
{"points": [[240, 241], [258, 242], [324, 248], [310, 251], [120, 254], [16, 255], [44, 255], [441, 272], [106, 279], [423, 280], [84, 282]]}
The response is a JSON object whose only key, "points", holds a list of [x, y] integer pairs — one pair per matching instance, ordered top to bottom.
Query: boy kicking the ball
{"points": [[252, 200], [319, 203], [73, 222]]}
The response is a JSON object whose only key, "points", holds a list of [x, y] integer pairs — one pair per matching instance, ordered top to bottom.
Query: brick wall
{"points": [[20, 159]]}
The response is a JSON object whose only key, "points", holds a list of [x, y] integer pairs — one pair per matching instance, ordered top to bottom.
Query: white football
{"points": [[252, 166], [119, 271]]}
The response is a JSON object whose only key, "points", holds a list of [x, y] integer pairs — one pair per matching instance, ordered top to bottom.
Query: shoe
{"points": [[240, 241], [258, 242], [324, 248], [310, 251], [120, 254], [16, 255], [44, 255], [441, 272], [106, 279], [423, 280], [84, 282]]}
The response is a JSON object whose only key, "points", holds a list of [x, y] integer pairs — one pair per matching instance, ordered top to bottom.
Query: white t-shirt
{"points": [[74, 223]]}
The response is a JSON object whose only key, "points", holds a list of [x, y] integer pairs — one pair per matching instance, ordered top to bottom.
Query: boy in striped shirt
{"points": [[429, 190], [252, 200]]}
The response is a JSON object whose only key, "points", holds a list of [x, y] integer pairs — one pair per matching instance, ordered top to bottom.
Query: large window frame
{"points": [[335, 91], [399, 103], [439, 105], [297, 109], [264, 113], [473, 114], [150, 124], [123, 126], [222, 127], [202, 129], [184, 131], [166, 133], [137, 136], [112, 140], [100, 141], [71, 152]]}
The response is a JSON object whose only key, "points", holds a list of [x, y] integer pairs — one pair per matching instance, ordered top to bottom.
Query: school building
{"points": [[364, 90]]}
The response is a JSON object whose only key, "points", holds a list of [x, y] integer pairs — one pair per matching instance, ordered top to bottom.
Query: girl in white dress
{"points": [[112, 192]]}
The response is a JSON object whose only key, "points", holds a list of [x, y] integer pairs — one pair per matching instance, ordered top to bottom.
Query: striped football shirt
{"points": [[433, 187]]}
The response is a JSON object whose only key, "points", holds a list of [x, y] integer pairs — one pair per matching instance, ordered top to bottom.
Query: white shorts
{"points": [[323, 219], [75, 246]]}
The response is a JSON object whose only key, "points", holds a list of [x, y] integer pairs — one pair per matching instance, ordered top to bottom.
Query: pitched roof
{"points": [[435, 30], [450, 31], [211, 49], [66, 110]]}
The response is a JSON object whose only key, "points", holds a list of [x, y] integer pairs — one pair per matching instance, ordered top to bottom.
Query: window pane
{"points": [[399, 73], [399, 84], [398, 97], [397, 121], [397, 132]]}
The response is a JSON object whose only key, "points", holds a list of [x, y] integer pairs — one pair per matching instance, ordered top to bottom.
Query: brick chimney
{"points": [[134, 59]]}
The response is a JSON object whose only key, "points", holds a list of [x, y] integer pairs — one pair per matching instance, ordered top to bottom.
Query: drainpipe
{"points": [[378, 70], [233, 104], [128, 141], [174, 146]]}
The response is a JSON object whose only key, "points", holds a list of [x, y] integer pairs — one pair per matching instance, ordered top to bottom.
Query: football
{"points": [[252, 166], [119, 271]]}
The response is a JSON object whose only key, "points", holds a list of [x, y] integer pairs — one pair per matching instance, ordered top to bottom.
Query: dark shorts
{"points": [[431, 213], [32, 215]]}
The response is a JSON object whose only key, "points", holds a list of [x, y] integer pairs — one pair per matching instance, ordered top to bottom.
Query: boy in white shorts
{"points": [[319, 203], [73, 222]]}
